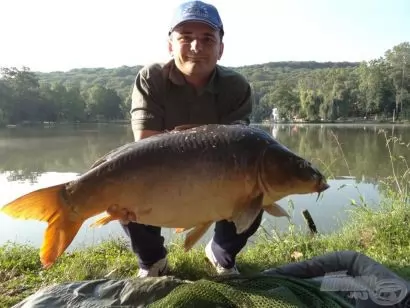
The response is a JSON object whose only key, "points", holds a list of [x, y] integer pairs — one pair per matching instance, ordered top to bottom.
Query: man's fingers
{"points": [[124, 214], [131, 216]]}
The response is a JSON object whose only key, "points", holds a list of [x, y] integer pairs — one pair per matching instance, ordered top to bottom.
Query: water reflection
{"points": [[28, 152], [355, 156]]}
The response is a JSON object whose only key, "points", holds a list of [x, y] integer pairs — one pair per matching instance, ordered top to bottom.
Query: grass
{"points": [[380, 233]]}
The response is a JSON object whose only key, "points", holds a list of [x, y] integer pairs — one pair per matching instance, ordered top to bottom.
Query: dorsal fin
{"points": [[185, 127], [121, 150], [111, 154]]}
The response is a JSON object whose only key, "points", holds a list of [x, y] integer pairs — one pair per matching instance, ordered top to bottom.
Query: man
{"points": [[189, 89]]}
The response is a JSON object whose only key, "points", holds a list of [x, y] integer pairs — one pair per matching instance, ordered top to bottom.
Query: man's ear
{"points": [[170, 49], [221, 51]]}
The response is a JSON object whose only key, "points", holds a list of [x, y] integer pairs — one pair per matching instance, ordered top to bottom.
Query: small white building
{"points": [[275, 114]]}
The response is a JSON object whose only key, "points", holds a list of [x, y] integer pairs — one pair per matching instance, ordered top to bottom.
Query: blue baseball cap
{"points": [[196, 11]]}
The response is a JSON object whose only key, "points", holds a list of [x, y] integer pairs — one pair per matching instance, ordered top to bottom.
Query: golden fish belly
{"points": [[164, 196]]}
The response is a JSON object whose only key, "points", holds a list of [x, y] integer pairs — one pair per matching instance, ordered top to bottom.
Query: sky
{"points": [[48, 35]]}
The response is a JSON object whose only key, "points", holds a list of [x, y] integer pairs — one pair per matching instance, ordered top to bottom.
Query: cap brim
{"points": [[203, 21]]}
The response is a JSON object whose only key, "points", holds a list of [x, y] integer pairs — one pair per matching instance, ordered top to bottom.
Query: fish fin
{"points": [[185, 126], [112, 154], [42, 204], [47, 204], [275, 210], [115, 213], [244, 219], [103, 221], [179, 230], [195, 234], [59, 235]]}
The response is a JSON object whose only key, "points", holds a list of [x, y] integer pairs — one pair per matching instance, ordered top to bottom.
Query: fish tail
{"points": [[47, 204], [59, 235]]}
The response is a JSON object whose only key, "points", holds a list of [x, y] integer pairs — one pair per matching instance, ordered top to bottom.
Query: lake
{"points": [[354, 155]]}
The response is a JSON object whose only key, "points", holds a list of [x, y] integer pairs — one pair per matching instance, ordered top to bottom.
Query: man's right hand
{"points": [[123, 215], [127, 217]]}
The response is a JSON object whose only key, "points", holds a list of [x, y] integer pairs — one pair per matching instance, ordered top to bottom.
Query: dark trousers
{"points": [[148, 244]]}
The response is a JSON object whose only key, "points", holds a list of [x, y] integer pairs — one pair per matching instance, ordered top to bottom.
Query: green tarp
{"points": [[340, 279]]}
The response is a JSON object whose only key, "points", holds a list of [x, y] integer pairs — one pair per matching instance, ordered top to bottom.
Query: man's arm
{"points": [[241, 111], [147, 113]]}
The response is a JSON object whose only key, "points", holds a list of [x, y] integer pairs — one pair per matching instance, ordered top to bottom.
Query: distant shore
{"points": [[344, 121], [265, 122]]}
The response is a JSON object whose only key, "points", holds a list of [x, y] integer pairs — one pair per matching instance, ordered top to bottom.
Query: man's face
{"points": [[196, 48]]}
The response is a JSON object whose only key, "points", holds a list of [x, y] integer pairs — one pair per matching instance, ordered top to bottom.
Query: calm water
{"points": [[37, 157]]}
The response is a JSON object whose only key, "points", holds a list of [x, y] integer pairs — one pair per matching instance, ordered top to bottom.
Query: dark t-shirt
{"points": [[161, 98]]}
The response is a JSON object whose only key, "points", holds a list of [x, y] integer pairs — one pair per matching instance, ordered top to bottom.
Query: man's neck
{"points": [[197, 82]]}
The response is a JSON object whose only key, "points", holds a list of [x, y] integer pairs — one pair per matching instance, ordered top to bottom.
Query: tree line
{"points": [[308, 90]]}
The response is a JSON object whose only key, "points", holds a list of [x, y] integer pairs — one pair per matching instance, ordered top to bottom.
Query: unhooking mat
{"points": [[339, 279]]}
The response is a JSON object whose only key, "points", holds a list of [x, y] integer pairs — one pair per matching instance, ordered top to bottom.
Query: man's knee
{"points": [[256, 223], [226, 230]]}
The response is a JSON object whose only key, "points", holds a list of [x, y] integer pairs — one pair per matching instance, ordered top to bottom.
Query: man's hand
{"points": [[144, 133], [123, 215], [127, 217]]}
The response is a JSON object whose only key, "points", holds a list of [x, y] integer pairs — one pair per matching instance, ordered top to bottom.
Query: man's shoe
{"points": [[160, 268], [222, 271]]}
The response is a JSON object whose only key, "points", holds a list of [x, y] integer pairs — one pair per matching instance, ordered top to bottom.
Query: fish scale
{"points": [[208, 146]]}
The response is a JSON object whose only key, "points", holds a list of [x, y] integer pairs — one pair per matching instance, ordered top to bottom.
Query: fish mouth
{"points": [[322, 186]]}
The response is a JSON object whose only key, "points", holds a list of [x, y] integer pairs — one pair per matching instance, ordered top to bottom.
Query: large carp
{"points": [[186, 179]]}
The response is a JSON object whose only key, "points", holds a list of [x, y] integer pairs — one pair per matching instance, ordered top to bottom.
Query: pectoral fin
{"points": [[275, 210], [244, 219], [179, 230], [195, 234]]}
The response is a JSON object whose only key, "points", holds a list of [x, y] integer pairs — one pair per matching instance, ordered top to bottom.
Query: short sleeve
{"points": [[147, 111]]}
